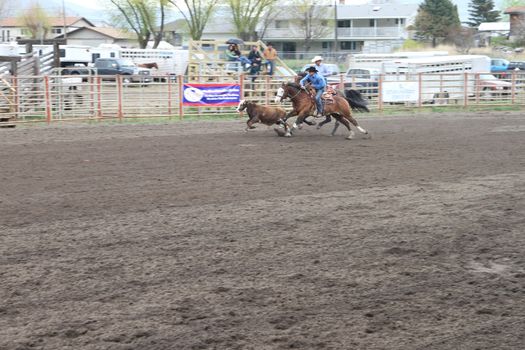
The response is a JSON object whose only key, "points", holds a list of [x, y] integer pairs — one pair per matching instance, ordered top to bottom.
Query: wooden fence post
{"points": [[168, 79], [465, 84], [420, 90], [380, 93], [47, 94], [99, 96], [119, 97], [181, 97]]}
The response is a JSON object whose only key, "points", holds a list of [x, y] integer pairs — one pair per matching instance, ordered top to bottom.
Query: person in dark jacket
{"points": [[255, 58], [318, 82]]}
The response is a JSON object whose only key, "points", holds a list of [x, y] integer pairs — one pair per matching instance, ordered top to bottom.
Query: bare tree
{"points": [[196, 13], [247, 14], [141, 17], [267, 18], [36, 20], [314, 20], [462, 38]]}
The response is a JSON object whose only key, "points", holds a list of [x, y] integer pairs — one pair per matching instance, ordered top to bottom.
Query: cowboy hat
{"points": [[317, 58], [311, 69]]}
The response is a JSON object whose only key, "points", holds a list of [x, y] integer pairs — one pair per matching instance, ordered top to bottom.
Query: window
{"points": [[400, 21], [372, 23], [281, 24], [343, 24], [56, 30], [325, 45], [348, 45], [103, 64]]}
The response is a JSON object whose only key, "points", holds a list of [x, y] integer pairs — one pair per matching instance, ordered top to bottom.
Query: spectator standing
{"points": [[270, 54], [320, 67]]}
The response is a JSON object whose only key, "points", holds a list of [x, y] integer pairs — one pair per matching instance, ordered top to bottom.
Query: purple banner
{"points": [[211, 94]]}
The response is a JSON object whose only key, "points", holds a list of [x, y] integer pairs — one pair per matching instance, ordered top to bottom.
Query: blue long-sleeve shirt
{"points": [[323, 70], [317, 81]]}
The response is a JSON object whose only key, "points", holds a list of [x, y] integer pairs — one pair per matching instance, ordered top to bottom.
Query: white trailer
{"points": [[71, 55], [374, 60], [169, 62], [433, 77]]}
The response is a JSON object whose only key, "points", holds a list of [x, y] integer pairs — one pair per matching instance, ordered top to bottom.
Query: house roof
{"points": [[514, 9], [387, 10], [53, 21], [215, 25], [494, 27], [110, 32]]}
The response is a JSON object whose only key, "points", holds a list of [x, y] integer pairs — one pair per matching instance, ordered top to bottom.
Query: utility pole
{"points": [[64, 19], [336, 44]]}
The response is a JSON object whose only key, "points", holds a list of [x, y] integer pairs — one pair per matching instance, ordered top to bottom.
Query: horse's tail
{"points": [[356, 101]]}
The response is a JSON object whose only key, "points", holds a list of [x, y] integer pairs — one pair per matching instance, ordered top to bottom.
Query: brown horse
{"points": [[148, 65], [304, 105]]}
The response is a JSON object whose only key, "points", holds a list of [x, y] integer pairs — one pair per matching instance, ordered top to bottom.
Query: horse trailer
{"points": [[457, 77]]}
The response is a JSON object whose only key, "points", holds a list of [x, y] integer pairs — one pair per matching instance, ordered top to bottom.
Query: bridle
{"points": [[290, 97]]}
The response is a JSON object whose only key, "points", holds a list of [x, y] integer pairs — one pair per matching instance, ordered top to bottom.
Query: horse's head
{"points": [[287, 90], [281, 94]]}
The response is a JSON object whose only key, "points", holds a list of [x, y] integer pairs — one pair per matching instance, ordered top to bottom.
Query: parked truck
{"points": [[111, 67]]}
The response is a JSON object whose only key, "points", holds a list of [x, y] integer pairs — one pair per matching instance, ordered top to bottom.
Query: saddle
{"points": [[328, 96]]}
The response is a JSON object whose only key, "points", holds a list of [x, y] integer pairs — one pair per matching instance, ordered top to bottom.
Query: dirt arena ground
{"points": [[197, 235]]}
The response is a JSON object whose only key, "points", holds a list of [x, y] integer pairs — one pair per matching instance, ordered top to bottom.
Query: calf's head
{"points": [[242, 105]]}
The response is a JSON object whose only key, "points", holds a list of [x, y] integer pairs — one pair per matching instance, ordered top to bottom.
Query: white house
{"points": [[219, 27], [377, 27], [13, 29], [489, 30], [95, 36]]}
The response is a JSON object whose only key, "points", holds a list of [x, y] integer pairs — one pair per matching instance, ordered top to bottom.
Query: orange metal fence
{"points": [[54, 98]]}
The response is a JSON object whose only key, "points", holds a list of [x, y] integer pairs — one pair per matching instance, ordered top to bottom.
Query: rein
{"points": [[297, 94]]}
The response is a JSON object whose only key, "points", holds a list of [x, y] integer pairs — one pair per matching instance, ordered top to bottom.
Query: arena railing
{"points": [[88, 97]]}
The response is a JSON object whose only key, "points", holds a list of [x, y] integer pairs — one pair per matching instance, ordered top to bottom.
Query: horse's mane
{"points": [[292, 84]]}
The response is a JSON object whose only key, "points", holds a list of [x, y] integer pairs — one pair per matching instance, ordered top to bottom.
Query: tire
{"points": [[486, 93]]}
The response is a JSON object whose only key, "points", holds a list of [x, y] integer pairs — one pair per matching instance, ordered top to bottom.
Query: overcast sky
{"points": [[99, 4]]}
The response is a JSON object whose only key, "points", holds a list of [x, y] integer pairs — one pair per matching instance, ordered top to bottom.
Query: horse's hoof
{"points": [[313, 123], [318, 127], [280, 133], [288, 134], [349, 137]]}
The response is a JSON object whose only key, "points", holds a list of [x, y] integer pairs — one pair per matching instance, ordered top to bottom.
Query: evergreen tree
{"points": [[482, 11], [436, 19]]}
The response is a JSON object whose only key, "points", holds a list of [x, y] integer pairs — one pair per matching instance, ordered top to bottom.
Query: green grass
{"points": [[445, 109], [402, 110]]}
